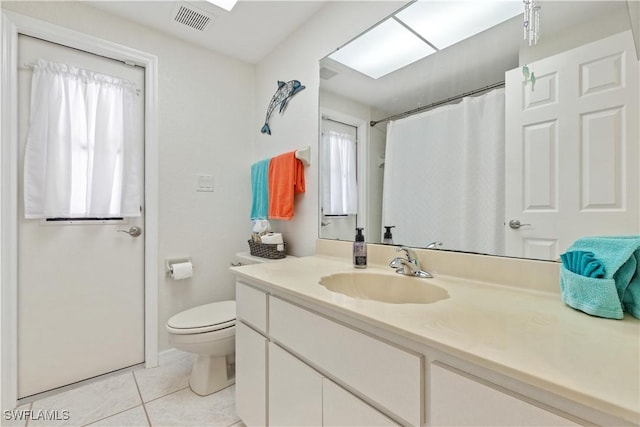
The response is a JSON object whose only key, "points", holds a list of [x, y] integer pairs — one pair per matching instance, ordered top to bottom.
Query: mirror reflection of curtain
{"points": [[80, 158], [444, 174], [339, 186]]}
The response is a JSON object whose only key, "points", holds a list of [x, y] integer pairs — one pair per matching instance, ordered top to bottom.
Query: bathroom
{"points": [[205, 101]]}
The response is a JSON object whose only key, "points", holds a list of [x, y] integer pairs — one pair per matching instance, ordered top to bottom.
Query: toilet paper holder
{"points": [[170, 262]]}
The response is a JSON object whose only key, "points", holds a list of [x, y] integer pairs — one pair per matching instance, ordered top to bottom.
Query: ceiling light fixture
{"points": [[224, 4], [383, 49]]}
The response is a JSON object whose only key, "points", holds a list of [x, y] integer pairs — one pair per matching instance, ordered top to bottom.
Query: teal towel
{"points": [[260, 189], [583, 263], [618, 290], [631, 297]]}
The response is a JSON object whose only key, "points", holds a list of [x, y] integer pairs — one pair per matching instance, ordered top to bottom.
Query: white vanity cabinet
{"points": [[251, 355], [488, 355], [298, 367], [390, 377], [301, 396], [458, 400]]}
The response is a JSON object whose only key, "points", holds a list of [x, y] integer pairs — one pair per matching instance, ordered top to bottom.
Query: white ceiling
{"points": [[255, 28], [249, 32]]}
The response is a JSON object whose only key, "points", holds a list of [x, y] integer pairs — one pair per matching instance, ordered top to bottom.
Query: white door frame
{"points": [[12, 25]]}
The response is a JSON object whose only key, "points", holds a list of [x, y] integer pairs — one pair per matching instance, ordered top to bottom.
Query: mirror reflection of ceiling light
{"points": [[225, 4], [445, 23], [412, 33], [383, 49]]}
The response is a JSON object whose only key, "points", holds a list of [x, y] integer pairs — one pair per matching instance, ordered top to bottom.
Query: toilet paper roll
{"points": [[181, 270]]}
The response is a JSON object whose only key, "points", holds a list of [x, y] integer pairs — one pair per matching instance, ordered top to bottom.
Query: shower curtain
{"points": [[444, 176]]}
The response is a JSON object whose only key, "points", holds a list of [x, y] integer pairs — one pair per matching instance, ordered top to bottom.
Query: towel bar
{"points": [[304, 155]]}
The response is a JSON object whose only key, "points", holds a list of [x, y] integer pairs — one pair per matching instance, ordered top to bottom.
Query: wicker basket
{"points": [[267, 250]]}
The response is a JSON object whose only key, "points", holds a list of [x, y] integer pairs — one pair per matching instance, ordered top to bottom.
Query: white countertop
{"points": [[530, 336]]}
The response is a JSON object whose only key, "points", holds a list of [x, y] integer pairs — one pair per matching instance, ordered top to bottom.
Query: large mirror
{"points": [[490, 145]]}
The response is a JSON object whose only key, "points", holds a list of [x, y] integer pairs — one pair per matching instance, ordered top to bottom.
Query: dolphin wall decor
{"points": [[283, 94]]}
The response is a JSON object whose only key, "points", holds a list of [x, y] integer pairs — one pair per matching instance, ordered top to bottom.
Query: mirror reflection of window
{"points": [[339, 188]]}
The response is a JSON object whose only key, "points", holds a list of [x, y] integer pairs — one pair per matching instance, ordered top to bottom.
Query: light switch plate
{"points": [[204, 183]]}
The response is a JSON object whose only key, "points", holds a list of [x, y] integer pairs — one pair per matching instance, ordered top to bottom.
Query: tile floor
{"points": [[145, 397]]}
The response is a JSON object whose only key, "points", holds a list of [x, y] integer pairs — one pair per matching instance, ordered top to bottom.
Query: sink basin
{"points": [[389, 288]]}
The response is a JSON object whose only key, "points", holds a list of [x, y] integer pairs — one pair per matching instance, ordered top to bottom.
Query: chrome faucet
{"points": [[409, 266]]}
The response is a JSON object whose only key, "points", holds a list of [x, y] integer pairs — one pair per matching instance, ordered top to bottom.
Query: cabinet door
{"points": [[251, 375], [295, 391], [457, 400], [341, 408]]}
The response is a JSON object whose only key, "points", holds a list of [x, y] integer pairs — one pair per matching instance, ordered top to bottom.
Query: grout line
{"points": [[78, 384], [168, 394], [144, 407], [116, 413], [109, 416], [235, 422], [26, 424]]}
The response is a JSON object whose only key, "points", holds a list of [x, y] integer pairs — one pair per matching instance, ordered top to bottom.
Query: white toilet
{"points": [[209, 331]]}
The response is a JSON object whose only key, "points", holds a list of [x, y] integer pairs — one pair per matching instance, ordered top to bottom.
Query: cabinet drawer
{"points": [[251, 306], [388, 375], [457, 400]]}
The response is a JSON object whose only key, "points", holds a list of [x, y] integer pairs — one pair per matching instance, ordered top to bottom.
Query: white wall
{"points": [[575, 36], [297, 58], [206, 106]]}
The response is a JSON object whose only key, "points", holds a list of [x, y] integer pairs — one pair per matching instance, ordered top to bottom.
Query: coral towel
{"points": [[286, 177]]}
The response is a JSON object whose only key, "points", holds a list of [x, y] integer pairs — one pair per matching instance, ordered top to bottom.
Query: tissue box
{"points": [[268, 250]]}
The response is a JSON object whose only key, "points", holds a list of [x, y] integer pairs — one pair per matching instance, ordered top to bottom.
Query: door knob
{"points": [[515, 224], [134, 231]]}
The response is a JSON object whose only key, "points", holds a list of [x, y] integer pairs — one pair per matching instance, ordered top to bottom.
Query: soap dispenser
{"points": [[388, 238], [359, 250]]}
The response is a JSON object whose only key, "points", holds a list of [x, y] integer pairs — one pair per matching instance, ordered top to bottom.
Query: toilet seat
{"points": [[205, 318]]}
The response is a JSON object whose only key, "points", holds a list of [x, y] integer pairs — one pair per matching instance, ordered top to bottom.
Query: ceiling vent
{"points": [[192, 16], [327, 73]]}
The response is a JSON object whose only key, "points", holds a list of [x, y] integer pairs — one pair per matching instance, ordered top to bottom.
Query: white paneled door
{"points": [[572, 146], [80, 283]]}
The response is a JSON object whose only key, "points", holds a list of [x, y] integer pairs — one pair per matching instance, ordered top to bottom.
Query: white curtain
{"points": [[81, 159], [444, 176], [339, 186]]}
